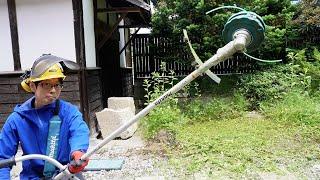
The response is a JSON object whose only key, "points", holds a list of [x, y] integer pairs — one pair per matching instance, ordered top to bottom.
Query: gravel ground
{"points": [[140, 160], [144, 161], [148, 161]]}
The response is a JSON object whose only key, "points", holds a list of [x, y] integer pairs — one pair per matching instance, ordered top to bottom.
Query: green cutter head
{"points": [[249, 21]]}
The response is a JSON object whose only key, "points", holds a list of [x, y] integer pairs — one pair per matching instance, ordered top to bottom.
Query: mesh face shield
{"points": [[44, 62]]}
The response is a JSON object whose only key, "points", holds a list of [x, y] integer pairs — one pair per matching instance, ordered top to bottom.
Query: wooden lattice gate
{"points": [[149, 52]]}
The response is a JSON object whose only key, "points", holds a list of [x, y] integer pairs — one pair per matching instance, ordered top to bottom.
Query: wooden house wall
{"points": [[127, 82], [11, 94], [94, 97]]}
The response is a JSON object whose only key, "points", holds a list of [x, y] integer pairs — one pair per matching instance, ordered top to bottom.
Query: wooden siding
{"points": [[127, 82], [11, 94], [94, 97]]}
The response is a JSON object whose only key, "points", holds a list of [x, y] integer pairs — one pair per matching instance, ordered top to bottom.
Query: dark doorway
{"points": [[110, 65]]}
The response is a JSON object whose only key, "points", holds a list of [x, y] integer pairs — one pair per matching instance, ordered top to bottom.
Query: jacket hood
{"points": [[29, 113]]}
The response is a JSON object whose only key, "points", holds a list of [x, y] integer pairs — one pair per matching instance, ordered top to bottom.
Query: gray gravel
{"points": [[139, 161], [147, 162]]}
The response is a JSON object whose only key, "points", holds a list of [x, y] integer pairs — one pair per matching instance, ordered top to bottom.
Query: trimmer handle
{"points": [[7, 162]]}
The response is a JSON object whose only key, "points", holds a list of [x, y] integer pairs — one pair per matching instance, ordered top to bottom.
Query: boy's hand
{"points": [[76, 165]]}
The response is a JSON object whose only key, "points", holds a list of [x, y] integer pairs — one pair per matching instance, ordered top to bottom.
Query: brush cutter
{"points": [[244, 31]]}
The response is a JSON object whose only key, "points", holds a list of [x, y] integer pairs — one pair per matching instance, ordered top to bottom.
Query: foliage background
{"points": [[205, 30], [266, 121]]}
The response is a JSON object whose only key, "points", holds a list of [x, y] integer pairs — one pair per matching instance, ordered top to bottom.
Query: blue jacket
{"points": [[29, 127]]}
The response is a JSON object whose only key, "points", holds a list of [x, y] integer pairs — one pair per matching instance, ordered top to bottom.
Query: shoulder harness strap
{"points": [[57, 108], [53, 141]]}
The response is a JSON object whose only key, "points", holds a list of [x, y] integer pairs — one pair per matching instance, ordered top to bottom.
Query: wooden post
{"points": [[14, 34], [80, 55]]}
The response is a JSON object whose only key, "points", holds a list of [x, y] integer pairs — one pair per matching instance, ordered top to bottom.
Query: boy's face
{"points": [[46, 91]]}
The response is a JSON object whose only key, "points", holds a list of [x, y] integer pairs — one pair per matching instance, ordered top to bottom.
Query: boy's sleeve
{"points": [[79, 133], [8, 147]]}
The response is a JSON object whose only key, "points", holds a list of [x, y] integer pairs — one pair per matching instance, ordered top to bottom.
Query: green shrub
{"points": [[306, 64], [301, 74], [272, 83], [165, 115]]}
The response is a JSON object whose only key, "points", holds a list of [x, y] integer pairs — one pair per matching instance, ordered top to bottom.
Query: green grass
{"points": [[297, 108], [214, 135], [218, 136], [242, 145]]}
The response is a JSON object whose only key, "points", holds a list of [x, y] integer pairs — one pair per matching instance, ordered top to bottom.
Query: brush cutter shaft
{"points": [[221, 55], [43, 157], [12, 161], [7, 162], [63, 168]]}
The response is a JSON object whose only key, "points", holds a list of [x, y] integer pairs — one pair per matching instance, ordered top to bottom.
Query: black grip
{"points": [[7, 162], [77, 163]]}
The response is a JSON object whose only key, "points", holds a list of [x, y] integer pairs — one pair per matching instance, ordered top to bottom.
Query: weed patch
{"points": [[294, 108], [215, 134], [238, 146]]}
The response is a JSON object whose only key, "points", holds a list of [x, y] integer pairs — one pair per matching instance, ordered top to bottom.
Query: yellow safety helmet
{"points": [[46, 67]]}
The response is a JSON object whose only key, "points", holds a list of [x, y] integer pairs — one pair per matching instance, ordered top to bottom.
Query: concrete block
{"points": [[121, 103], [111, 119]]}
